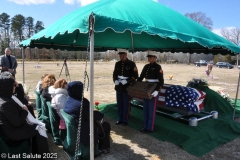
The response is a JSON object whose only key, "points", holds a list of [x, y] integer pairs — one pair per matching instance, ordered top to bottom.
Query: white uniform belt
{"points": [[122, 77], [152, 80]]}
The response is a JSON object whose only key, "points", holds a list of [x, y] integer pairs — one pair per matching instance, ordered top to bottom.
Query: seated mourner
{"points": [[48, 81], [39, 84], [20, 94], [59, 94], [72, 107], [13, 117]]}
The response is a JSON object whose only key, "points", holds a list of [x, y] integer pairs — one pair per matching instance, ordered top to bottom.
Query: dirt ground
{"points": [[128, 143]]}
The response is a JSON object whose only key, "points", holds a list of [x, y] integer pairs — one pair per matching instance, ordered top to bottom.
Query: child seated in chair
{"points": [[59, 95], [73, 104]]}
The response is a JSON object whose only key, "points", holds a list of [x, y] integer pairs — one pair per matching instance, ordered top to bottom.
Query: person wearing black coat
{"points": [[125, 72], [19, 91], [72, 107], [13, 123]]}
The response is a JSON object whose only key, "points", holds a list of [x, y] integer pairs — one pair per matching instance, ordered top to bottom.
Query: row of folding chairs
{"points": [[48, 115], [67, 137]]}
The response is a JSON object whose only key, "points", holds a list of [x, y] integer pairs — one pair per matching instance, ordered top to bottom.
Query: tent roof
{"points": [[135, 25]]}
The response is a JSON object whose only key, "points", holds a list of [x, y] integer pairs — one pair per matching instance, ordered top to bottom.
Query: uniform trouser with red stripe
{"points": [[123, 106], [149, 113]]}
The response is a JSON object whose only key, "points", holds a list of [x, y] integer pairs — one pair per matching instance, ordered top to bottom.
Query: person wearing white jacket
{"points": [[59, 95]]}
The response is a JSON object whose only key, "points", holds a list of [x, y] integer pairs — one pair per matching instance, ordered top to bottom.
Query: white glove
{"points": [[123, 81], [116, 82], [155, 93]]}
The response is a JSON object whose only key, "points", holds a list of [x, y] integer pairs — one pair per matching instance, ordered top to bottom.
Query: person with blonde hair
{"points": [[48, 81], [39, 84], [37, 92], [59, 94]]}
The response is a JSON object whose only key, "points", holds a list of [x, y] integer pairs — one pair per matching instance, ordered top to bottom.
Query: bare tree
{"points": [[201, 18], [233, 35]]}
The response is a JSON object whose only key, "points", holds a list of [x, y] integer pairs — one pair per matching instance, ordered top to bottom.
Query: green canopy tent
{"points": [[134, 25]]}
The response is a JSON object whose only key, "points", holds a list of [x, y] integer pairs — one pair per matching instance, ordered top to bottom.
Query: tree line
{"points": [[14, 30]]}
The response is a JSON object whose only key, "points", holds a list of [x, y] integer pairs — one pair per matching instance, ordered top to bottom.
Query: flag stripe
{"points": [[180, 96]]}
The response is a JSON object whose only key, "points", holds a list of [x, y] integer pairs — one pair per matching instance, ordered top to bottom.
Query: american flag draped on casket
{"points": [[181, 97]]}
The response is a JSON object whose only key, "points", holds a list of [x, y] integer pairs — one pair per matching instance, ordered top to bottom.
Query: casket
{"points": [[142, 90], [175, 97], [183, 100]]}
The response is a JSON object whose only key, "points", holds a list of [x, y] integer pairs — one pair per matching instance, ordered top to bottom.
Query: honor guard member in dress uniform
{"points": [[125, 72], [153, 73]]}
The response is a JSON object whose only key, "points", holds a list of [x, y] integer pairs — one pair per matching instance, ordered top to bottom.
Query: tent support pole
{"points": [[132, 45], [23, 73], [91, 87], [236, 97]]}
